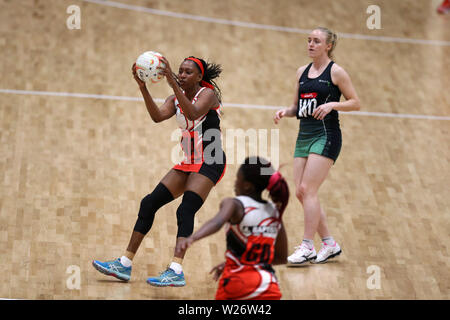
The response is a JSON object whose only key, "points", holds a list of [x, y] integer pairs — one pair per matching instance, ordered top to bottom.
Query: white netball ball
{"points": [[147, 65]]}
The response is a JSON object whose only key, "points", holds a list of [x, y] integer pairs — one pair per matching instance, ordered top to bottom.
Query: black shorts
{"points": [[213, 171]]}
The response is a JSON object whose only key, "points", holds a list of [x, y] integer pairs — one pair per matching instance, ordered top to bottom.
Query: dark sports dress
{"points": [[318, 136], [201, 143]]}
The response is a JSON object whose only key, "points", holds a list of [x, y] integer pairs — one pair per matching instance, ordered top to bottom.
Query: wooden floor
{"points": [[73, 170]]}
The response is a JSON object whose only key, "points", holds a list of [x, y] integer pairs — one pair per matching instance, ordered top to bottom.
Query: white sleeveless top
{"points": [[186, 124], [260, 219]]}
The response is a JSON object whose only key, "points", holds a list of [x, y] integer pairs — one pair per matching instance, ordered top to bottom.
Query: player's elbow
{"points": [[357, 105], [155, 118], [158, 120]]}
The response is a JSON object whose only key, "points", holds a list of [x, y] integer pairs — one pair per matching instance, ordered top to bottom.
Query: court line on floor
{"points": [[136, 8], [226, 105]]}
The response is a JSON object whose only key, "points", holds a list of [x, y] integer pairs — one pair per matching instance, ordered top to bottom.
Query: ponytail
{"points": [[331, 37], [278, 191]]}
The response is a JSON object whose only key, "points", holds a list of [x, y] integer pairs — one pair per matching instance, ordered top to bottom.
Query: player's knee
{"points": [[305, 190], [299, 194], [153, 201], [190, 204], [149, 206], [145, 209], [145, 216], [185, 222]]}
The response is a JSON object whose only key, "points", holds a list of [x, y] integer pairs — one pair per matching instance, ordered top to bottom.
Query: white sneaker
{"points": [[327, 252], [301, 255]]}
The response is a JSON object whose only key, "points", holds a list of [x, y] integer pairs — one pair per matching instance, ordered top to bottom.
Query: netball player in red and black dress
{"points": [[195, 104], [255, 234]]}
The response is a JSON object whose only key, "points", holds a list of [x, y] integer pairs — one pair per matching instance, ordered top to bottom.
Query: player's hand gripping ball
{"points": [[147, 67]]}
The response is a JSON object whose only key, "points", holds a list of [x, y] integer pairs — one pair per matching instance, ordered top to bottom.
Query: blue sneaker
{"points": [[113, 268], [168, 278]]}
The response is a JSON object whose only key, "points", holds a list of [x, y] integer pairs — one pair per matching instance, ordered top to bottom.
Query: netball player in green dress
{"points": [[316, 103]]}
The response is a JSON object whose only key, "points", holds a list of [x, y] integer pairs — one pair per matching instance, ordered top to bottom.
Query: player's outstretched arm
{"points": [[230, 210]]}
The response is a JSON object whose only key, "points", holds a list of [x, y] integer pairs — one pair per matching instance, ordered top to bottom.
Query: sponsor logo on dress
{"points": [[325, 81], [307, 104]]}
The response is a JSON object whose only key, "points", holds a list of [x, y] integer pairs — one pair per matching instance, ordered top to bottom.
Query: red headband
{"points": [[200, 65], [273, 179]]}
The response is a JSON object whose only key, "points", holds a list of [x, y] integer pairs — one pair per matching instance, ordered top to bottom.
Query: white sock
{"points": [[329, 241], [309, 243], [126, 262], [176, 267]]}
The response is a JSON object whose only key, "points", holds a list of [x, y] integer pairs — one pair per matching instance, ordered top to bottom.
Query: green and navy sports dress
{"points": [[318, 136]]}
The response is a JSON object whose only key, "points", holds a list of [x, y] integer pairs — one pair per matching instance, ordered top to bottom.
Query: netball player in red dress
{"points": [[195, 104], [256, 238]]}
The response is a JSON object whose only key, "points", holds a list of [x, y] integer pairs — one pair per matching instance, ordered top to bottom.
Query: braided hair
{"points": [[260, 173]]}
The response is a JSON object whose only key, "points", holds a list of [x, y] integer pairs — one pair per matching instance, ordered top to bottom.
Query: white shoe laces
{"points": [[301, 248]]}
